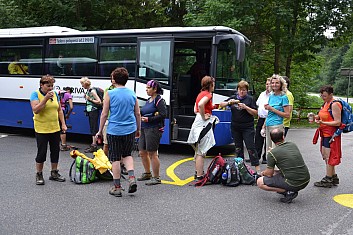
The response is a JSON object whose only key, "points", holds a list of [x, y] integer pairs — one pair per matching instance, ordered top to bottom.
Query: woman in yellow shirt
{"points": [[47, 111]]}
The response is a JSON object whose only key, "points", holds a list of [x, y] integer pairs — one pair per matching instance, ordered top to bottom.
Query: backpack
{"points": [[100, 93], [63, 103], [346, 116], [82, 171], [214, 171], [230, 175], [246, 176]]}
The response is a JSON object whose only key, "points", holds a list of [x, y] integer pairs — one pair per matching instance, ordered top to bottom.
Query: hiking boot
{"points": [[64, 147], [91, 149], [264, 162], [54, 175], [145, 176], [39, 178], [335, 180], [154, 181], [326, 182], [132, 184], [116, 191], [288, 198]]}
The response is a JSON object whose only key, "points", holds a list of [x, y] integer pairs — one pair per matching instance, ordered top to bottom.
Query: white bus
{"points": [[164, 54]]}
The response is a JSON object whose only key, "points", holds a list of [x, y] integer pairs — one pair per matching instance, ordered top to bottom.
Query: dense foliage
{"points": [[288, 37]]}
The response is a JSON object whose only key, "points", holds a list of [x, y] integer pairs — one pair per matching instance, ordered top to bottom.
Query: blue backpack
{"points": [[346, 117]]}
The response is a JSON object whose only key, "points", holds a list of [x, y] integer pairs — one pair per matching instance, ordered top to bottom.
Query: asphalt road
{"points": [[67, 208]]}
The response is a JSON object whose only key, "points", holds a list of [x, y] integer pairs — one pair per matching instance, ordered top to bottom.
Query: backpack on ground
{"points": [[346, 116], [82, 171], [214, 172], [230, 175], [245, 175]]}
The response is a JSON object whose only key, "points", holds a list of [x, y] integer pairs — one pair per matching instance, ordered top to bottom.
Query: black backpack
{"points": [[100, 93], [230, 175]]}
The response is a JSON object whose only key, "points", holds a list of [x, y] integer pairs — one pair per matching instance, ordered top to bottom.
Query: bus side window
{"points": [[4, 68], [35, 68], [80, 69]]}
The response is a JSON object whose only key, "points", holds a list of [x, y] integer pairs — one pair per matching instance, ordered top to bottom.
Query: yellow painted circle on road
{"points": [[344, 200]]}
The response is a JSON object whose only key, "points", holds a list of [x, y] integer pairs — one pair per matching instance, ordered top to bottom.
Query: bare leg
{"points": [[146, 162], [155, 163], [199, 164], [39, 167], [116, 169], [261, 185]]}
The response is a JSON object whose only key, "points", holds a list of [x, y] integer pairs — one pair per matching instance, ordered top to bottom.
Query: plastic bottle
{"points": [[215, 170], [224, 175]]}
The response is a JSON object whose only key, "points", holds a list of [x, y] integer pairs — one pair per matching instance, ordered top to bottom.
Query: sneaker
{"points": [[64, 147], [91, 149], [264, 162], [54, 175], [145, 176], [39, 178], [335, 180], [154, 181], [325, 183], [132, 184], [116, 191], [288, 198]]}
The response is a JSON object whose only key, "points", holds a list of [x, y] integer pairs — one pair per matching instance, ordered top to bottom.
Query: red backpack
{"points": [[214, 172]]}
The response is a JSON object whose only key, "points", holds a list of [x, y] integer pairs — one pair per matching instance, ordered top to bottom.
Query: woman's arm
{"points": [[96, 99], [39, 106], [201, 106], [71, 107], [251, 111], [285, 114], [138, 119]]}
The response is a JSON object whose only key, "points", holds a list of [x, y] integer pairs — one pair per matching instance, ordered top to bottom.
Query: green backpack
{"points": [[82, 171]]}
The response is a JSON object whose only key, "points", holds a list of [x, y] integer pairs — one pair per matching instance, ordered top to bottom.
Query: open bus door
{"points": [[155, 61], [227, 66]]}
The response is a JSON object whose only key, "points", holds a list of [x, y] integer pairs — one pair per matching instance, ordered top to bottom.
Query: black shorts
{"points": [[149, 139], [325, 142], [120, 146], [278, 181]]}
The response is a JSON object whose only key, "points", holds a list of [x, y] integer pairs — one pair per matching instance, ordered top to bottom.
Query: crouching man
{"points": [[292, 176]]}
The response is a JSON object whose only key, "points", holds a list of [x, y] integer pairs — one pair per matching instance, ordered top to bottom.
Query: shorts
{"points": [[150, 139], [325, 142], [120, 146], [278, 181]]}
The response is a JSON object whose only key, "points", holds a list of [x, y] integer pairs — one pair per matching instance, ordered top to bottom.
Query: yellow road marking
{"points": [[175, 180], [344, 200]]}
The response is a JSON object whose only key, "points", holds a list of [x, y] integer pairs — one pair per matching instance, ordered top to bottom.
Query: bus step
{"points": [[184, 121], [183, 134], [179, 142]]}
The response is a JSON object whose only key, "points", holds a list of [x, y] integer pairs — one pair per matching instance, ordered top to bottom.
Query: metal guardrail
{"points": [[302, 113]]}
